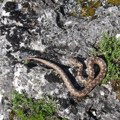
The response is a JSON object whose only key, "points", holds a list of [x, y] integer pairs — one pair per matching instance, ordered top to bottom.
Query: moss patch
{"points": [[109, 47], [25, 108]]}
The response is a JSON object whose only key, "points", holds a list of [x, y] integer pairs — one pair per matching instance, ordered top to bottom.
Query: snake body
{"points": [[91, 81]]}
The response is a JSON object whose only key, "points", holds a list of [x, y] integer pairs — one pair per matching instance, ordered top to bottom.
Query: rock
{"points": [[38, 28]]}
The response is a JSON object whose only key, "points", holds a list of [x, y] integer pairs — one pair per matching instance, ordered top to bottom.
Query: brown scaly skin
{"points": [[91, 81]]}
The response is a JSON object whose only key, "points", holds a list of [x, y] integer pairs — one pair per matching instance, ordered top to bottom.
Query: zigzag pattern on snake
{"points": [[91, 81]]}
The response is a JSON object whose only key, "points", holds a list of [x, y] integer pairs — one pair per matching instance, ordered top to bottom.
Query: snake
{"points": [[90, 82]]}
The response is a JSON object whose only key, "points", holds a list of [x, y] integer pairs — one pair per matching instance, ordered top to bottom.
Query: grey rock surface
{"points": [[45, 29]]}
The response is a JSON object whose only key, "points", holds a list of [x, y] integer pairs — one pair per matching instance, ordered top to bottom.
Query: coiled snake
{"points": [[91, 81]]}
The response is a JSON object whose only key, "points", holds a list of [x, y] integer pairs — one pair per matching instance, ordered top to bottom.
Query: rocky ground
{"points": [[45, 29]]}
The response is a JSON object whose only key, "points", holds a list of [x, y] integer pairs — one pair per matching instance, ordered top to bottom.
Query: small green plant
{"points": [[109, 47], [25, 108]]}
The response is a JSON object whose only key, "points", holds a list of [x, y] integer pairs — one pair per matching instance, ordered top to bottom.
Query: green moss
{"points": [[109, 47], [25, 108]]}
